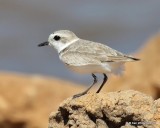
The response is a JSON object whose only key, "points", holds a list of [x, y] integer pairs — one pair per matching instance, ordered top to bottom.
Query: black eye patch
{"points": [[57, 38]]}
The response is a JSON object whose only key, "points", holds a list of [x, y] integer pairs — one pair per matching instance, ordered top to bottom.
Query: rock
{"points": [[123, 109]]}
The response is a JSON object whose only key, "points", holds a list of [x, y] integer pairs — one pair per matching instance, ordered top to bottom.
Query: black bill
{"points": [[43, 44]]}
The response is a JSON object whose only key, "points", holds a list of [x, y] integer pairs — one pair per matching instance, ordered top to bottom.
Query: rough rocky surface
{"points": [[123, 109]]}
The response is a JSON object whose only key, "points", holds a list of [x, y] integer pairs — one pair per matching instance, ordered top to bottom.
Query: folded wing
{"points": [[85, 52]]}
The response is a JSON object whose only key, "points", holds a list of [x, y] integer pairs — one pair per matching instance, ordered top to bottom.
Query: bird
{"points": [[87, 57]]}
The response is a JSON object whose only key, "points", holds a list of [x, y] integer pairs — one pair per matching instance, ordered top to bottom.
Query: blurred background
{"points": [[123, 25], [33, 81]]}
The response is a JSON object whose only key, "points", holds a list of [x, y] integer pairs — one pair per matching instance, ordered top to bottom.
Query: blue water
{"points": [[124, 25]]}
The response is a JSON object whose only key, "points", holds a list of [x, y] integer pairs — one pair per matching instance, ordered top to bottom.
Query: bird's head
{"points": [[60, 39]]}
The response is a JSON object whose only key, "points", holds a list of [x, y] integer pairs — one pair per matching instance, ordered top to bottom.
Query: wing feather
{"points": [[86, 52], [77, 59]]}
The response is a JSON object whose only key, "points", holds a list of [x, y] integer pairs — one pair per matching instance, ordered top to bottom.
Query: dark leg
{"points": [[104, 81], [83, 93]]}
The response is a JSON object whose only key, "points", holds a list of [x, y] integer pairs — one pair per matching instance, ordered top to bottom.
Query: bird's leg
{"points": [[104, 81], [83, 93]]}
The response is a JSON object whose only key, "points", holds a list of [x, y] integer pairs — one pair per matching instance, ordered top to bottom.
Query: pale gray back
{"points": [[84, 52]]}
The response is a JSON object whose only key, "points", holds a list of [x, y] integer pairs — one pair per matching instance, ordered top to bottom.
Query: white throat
{"points": [[60, 46]]}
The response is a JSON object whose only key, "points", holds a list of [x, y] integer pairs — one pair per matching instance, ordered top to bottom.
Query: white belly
{"points": [[103, 68], [88, 69]]}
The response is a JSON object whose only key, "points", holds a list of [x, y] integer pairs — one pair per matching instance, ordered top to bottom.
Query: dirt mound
{"points": [[110, 110]]}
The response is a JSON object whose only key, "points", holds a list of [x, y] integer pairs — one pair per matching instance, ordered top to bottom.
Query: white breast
{"points": [[107, 68]]}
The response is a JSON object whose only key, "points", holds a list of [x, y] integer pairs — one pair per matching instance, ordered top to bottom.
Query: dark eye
{"points": [[57, 38]]}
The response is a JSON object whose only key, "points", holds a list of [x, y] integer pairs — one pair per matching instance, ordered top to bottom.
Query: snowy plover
{"points": [[85, 56]]}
